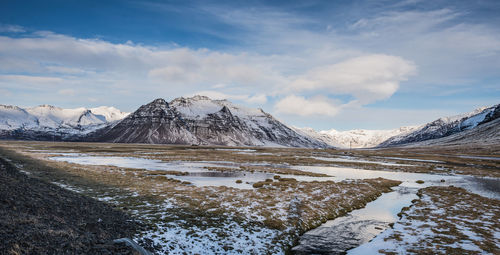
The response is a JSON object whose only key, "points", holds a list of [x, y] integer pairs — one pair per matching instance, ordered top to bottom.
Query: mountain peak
{"points": [[199, 97], [188, 100], [159, 101], [47, 106], [200, 120]]}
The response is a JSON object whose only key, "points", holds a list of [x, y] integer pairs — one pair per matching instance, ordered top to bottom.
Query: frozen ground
{"points": [[445, 220]]}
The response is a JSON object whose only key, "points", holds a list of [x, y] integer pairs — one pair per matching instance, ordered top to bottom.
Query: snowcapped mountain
{"points": [[110, 114], [13, 117], [54, 117], [200, 120], [46, 121], [446, 126], [439, 128], [486, 134], [358, 138]]}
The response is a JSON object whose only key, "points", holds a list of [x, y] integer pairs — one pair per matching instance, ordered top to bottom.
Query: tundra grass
{"points": [[274, 214]]}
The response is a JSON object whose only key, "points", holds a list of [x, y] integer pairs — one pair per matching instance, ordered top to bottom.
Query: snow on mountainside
{"points": [[110, 114], [13, 117], [54, 117], [200, 120], [45, 121], [446, 126], [439, 128], [485, 134], [358, 138]]}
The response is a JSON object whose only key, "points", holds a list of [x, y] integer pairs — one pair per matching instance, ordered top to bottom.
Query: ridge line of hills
{"points": [[200, 120]]}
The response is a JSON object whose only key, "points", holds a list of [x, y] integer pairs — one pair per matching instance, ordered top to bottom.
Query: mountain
{"points": [[109, 114], [200, 120], [46, 122], [446, 126], [486, 134], [358, 138]]}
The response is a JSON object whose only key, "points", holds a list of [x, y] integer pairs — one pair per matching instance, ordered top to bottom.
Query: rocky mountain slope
{"points": [[201, 121], [46, 122], [446, 126], [439, 128], [486, 134]]}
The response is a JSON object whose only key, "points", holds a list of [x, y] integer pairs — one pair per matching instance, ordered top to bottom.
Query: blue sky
{"points": [[323, 64]]}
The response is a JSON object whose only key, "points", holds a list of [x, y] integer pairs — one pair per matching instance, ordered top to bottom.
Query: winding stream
{"points": [[340, 235]]}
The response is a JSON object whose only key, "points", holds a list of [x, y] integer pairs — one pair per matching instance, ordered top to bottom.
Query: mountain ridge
{"points": [[199, 120], [48, 122], [446, 126]]}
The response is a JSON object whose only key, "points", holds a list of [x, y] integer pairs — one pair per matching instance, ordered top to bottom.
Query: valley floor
{"points": [[182, 213]]}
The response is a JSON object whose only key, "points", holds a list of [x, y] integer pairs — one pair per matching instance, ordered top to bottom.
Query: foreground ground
{"points": [[37, 217], [267, 218]]}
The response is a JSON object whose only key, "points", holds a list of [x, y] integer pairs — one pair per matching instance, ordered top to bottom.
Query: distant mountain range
{"points": [[199, 120], [46, 122], [446, 126], [442, 127], [358, 138]]}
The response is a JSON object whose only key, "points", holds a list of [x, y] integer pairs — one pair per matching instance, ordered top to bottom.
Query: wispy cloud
{"points": [[6, 28]]}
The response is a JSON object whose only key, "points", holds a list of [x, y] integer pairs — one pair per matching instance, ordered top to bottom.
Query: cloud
{"points": [[6, 28], [442, 43], [278, 56], [99, 65], [211, 69], [368, 78], [28, 79], [66, 92], [297, 105]]}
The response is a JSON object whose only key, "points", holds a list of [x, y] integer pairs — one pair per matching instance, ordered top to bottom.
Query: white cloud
{"points": [[11, 28], [283, 58], [65, 70], [250, 78], [368, 78], [29, 79], [66, 92], [297, 105]]}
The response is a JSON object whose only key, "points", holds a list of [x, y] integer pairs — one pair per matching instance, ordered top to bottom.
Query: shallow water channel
{"points": [[340, 235], [333, 237]]}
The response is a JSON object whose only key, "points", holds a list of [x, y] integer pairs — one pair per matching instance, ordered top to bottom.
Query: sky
{"points": [[322, 64]]}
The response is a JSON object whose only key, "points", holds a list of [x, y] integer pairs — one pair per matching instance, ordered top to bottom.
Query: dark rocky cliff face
{"points": [[160, 122]]}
